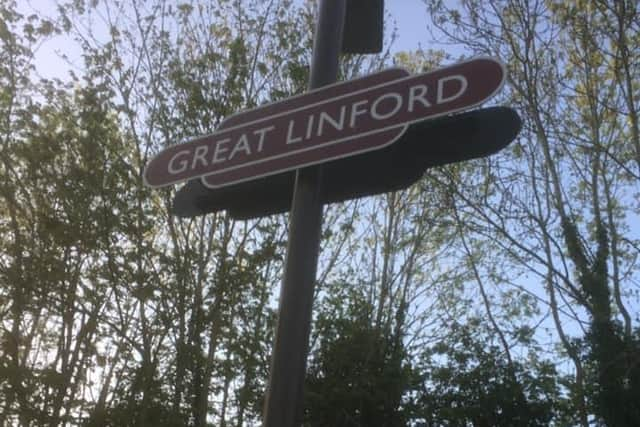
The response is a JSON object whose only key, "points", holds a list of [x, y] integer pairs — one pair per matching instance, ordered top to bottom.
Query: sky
{"points": [[409, 16], [411, 20]]}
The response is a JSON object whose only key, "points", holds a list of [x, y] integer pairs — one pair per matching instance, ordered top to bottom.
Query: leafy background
{"points": [[496, 292]]}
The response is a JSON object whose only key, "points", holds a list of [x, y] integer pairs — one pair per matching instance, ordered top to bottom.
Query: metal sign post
{"points": [[283, 404]]}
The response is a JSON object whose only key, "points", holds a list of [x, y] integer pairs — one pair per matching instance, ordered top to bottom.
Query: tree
{"points": [[194, 65], [557, 205], [58, 258], [359, 375], [468, 381]]}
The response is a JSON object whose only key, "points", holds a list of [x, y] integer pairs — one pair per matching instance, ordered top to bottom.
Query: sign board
{"points": [[334, 122], [448, 139]]}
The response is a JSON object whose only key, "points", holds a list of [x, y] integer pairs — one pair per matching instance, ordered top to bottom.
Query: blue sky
{"points": [[409, 16], [411, 20]]}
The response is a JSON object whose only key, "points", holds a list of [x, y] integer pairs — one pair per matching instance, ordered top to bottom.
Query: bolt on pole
{"points": [[284, 399]]}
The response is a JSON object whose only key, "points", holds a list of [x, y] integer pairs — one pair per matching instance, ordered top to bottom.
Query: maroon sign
{"points": [[337, 121], [367, 142]]}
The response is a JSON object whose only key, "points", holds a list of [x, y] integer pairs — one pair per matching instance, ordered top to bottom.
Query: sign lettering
{"points": [[333, 122]]}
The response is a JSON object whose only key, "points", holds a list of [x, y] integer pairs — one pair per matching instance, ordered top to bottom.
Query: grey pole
{"points": [[283, 404]]}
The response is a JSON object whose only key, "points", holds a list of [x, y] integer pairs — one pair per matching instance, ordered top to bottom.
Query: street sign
{"points": [[334, 122], [449, 139], [154, 174]]}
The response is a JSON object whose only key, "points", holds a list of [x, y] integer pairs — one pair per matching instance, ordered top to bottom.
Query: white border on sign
{"points": [[282, 101], [308, 106]]}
